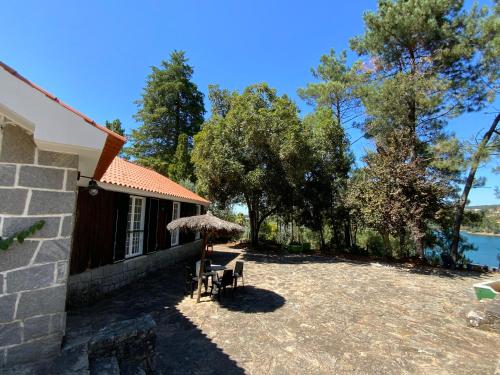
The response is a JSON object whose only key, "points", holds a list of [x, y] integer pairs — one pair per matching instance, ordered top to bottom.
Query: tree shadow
{"points": [[260, 256], [250, 299], [181, 347]]}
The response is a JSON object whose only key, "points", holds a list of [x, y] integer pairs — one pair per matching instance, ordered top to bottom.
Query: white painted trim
{"points": [[54, 127], [123, 189], [177, 232], [128, 252]]}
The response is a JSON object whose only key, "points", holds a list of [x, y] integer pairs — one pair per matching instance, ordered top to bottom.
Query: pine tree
{"points": [[422, 54], [171, 105], [115, 126], [181, 168]]}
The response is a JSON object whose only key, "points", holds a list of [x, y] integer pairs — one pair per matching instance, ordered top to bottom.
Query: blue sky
{"points": [[95, 55]]}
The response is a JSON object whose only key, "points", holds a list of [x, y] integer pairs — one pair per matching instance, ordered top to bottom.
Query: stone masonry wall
{"points": [[34, 185], [89, 286]]}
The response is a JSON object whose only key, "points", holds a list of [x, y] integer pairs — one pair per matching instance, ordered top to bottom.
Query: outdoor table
{"points": [[217, 267]]}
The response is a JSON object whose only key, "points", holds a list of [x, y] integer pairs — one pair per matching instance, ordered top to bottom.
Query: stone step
{"points": [[105, 366]]}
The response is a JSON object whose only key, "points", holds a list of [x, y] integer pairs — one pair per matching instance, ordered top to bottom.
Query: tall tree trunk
{"points": [[476, 160], [254, 227], [347, 232], [322, 238], [387, 241]]}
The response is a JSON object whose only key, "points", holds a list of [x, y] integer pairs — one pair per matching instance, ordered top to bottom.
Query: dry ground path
{"points": [[309, 315]]}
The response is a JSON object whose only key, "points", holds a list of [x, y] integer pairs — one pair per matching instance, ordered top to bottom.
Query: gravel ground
{"points": [[309, 315]]}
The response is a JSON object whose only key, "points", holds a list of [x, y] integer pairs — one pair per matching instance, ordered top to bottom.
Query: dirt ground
{"points": [[310, 315]]}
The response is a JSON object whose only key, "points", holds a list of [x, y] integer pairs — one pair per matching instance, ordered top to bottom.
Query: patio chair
{"points": [[238, 272], [192, 279], [223, 282]]}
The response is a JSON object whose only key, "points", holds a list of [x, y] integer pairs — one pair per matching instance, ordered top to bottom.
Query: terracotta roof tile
{"points": [[114, 142], [124, 173]]}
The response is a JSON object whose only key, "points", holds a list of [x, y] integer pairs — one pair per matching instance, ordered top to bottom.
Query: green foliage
{"points": [[424, 69], [338, 87], [220, 99], [337, 102], [171, 105], [115, 126], [253, 155], [329, 161], [181, 167], [484, 221], [21, 236]]}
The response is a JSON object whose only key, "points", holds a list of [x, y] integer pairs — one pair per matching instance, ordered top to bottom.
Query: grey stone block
{"points": [[17, 146], [57, 159], [7, 174], [47, 178], [71, 178], [12, 201], [51, 202], [13, 225], [67, 226], [53, 250], [18, 255], [62, 271], [34, 277], [1, 284], [41, 302], [7, 307], [58, 323], [36, 327], [10, 333], [32, 351]]}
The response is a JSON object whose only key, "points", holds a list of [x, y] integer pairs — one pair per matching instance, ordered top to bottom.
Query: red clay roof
{"points": [[114, 142], [124, 173]]}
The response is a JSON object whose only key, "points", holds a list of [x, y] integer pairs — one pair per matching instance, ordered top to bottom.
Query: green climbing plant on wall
{"points": [[21, 236]]}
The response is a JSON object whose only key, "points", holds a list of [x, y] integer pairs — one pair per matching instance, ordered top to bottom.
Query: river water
{"points": [[488, 247]]}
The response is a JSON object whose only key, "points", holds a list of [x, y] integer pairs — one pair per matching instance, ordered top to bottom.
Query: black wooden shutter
{"points": [[168, 211], [151, 225], [120, 228], [145, 237], [161, 239]]}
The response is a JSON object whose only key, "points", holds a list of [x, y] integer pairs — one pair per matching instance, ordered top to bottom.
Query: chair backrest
{"points": [[208, 265], [238, 267], [227, 277]]}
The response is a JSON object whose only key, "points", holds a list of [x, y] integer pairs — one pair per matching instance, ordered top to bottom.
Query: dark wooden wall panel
{"points": [[101, 224], [94, 231]]}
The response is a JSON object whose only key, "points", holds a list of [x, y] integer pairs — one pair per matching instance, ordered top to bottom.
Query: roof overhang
{"points": [[56, 126], [142, 193]]}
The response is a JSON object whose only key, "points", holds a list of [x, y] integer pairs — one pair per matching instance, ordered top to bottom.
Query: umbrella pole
{"points": [[202, 265]]}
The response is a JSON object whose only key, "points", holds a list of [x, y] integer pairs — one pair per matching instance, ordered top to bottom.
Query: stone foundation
{"points": [[34, 185], [87, 287]]}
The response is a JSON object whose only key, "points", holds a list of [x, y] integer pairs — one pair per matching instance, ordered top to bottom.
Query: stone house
{"points": [[89, 244]]}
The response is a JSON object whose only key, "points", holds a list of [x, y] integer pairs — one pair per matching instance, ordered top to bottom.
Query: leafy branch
{"points": [[21, 236]]}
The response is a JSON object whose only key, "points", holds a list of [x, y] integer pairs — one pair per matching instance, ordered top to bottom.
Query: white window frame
{"points": [[174, 235], [197, 236], [129, 248]]}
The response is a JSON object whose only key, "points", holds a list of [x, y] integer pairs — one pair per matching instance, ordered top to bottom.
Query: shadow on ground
{"points": [[262, 256], [249, 299], [181, 347]]}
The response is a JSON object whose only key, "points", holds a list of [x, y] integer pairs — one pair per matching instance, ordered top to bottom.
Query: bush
{"points": [[375, 246]]}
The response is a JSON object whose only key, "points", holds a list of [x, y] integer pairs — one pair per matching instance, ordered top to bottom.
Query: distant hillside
{"points": [[484, 207]]}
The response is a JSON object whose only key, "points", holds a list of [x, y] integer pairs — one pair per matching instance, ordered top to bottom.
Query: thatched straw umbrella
{"points": [[205, 224]]}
